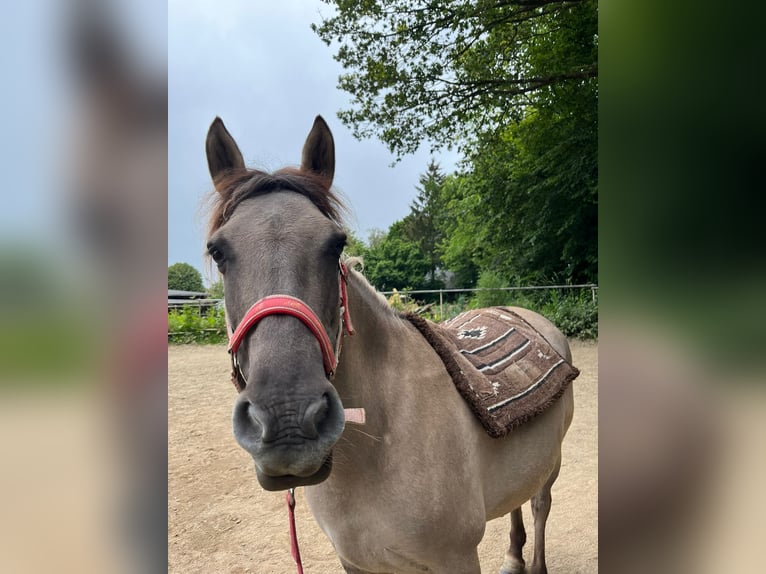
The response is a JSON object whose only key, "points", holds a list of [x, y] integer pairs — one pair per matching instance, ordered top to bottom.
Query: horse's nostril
{"points": [[315, 413], [261, 421], [252, 425]]}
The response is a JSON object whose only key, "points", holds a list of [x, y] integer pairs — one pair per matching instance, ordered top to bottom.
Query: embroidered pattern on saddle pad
{"points": [[505, 369]]}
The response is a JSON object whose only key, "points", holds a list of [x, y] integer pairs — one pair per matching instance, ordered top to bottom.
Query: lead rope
{"points": [[352, 415], [355, 415], [290, 497]]}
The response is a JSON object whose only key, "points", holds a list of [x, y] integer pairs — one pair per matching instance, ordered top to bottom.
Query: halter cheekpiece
{"points": [[289, 305]]}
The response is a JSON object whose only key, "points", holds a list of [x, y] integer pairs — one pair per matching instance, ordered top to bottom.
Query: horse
{"points": [[411, 492]]}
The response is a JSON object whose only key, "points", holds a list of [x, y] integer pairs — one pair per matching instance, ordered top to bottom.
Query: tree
{"points": [[444, 70], [514, 84], [527, 208], [424, 224], [375, 236], [463, 242], [395, 262], [184, 277]]}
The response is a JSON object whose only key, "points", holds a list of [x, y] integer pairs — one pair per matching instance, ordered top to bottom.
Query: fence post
{"points": [[593, 293], [441, 305]]}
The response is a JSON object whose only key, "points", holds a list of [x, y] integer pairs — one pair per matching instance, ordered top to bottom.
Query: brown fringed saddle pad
{"points": [[506, 370]]}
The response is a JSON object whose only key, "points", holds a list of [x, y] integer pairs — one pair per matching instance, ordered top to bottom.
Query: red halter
{"points": [[288, 305]]}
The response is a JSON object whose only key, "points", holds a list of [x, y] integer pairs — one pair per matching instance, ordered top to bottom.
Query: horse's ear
{"points": [[222, 150], [319, 150]]}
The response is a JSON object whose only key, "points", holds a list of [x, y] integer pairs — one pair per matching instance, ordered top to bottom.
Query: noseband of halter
{"points": [[288, 305]]}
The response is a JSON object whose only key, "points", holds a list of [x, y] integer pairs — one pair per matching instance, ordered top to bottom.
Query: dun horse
{"points": [[412, 490]]}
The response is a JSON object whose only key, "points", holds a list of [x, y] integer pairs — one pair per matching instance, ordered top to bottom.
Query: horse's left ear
{"points": [[319, 150]]}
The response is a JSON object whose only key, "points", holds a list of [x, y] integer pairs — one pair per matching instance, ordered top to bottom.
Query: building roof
{"points": [[178, 294]]}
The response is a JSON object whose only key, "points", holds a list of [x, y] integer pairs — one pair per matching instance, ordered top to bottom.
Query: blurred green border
{"points": [[681, 122]]}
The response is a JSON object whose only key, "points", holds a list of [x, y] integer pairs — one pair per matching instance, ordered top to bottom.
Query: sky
{"points": [[260, 67]]}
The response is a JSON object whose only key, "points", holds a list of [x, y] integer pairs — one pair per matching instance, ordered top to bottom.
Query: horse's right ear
{"points": [[222, 151]]}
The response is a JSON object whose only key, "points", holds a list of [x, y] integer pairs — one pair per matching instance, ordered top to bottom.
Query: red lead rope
{"points": [[287, 305], [290, 497]]}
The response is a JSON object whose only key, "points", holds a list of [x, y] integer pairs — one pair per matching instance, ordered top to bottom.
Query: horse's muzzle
{"points": [[290, 441], [290, 481]]}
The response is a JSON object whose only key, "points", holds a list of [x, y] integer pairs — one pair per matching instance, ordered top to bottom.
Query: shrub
{"points": [[576, 314], [188, 326]]}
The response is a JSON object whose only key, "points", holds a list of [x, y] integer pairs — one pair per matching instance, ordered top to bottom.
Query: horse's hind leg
{"points": [[541, 507], [514, 561]]}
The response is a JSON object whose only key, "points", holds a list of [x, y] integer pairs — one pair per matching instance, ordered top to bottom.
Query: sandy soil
{"points": [[221, 521]]}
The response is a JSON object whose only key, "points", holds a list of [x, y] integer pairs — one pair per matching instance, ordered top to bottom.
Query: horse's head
{"points": [[280, 234]]}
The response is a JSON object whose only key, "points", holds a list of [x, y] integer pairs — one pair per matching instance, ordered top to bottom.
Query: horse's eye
{"points": [[216, 254]]}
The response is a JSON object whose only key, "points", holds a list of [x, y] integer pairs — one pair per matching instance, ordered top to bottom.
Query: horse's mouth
{"points": [[286, 481]]}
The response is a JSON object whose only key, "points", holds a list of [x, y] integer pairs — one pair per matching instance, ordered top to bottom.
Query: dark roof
{"points": [[178, 294]]}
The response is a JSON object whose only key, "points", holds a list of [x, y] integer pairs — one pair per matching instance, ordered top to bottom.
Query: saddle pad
{"points": [[505, 369]]}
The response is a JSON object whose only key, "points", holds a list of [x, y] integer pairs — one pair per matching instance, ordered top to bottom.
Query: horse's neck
{"points": [[390, 370], [367, 372]]}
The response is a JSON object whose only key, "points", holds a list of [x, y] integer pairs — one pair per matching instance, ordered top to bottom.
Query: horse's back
{"points": [[547, 329]]}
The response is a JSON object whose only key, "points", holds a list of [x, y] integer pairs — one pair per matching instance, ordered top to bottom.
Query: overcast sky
{"points": [[258, 66]]}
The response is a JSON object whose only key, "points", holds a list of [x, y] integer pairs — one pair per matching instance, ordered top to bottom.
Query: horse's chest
{"points": [[372, 536], [381, 553]]}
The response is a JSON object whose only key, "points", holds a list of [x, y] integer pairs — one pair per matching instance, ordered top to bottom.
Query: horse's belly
{"points": [[517, 466]]}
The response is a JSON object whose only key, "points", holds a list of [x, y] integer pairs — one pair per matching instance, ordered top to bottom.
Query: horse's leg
{"points": [[541, 507], [514, 561]]}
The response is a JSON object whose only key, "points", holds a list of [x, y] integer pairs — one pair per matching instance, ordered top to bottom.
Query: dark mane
{"points": [[237, 185]]}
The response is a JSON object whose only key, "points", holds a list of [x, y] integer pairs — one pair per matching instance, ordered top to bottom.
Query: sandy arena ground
{"points": [[221, 521]]}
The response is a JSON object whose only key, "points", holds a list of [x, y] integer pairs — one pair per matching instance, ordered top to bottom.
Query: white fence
{"points": [[407, 293], [204, 304]]}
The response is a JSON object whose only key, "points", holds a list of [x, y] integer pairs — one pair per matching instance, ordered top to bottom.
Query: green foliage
{"points": [[438, 69], [514, 84], [528, 206], [424, 224], [375, 236], [463, 236], [395, 262], [184, 277], [490, 280], [216, 289], [402, 303], [447, 310], [574, 312], [576, 315], [48, 325], [187, 325]]}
